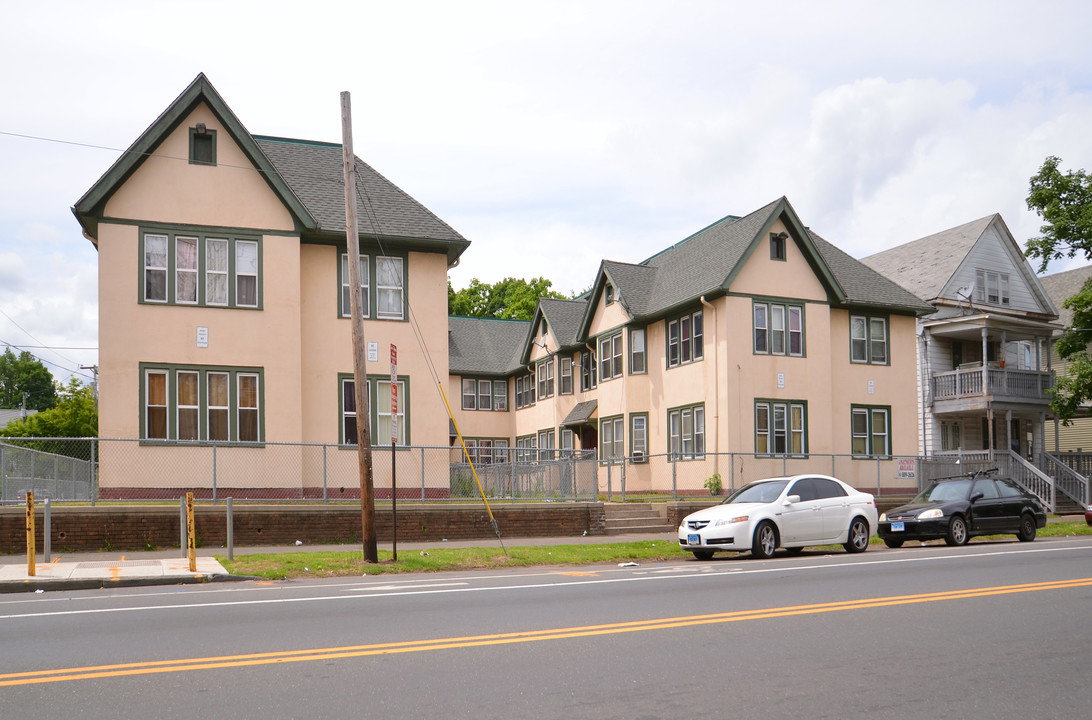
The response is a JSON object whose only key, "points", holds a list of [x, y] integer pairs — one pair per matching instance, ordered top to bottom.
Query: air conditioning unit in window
{"points": [[637, 457]]}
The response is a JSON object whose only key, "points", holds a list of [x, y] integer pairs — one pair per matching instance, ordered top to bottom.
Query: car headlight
{"points": [[932, 514], [883, 517], [732, 521]]}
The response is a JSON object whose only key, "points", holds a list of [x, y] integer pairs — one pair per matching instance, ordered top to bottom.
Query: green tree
{"points": [[1064, 202], [510, 298], [25, 374], [73, 416]]}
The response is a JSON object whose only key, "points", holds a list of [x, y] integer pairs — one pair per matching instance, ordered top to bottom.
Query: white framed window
{"points": [[155, 268], [196, 268], [185, 270], [216, 271], [246, 273], [389, 287], [991, 287], [346, 303], [778, 329], [685, 339], [868, 339], [610, 357], [638, 358], [545, 374], [566, 375], [470, 394], [485, 394], [500, 395], [155, 401], [197, 403], [188, 405], [219, 406], [379, 407], [384, 416], [780, 427], [612, 432], [686, 432], [871, 433], [638, 437], [546, 440]]}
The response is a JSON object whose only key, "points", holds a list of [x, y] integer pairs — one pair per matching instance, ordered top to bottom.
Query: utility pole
{"points": [[360, 374]]}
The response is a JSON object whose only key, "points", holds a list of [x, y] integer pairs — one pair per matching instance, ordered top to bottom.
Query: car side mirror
{"points": [[976, 496], [792, 499]]}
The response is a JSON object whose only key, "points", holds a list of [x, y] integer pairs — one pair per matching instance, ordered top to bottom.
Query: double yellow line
{"points": [[351, 651]]}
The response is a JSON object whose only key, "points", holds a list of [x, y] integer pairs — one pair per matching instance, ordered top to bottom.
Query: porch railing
{"points": [[962, 383], [1069, 482]]}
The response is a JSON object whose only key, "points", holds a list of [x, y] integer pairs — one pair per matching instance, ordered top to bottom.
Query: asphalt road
{"points": [[990, 630]]}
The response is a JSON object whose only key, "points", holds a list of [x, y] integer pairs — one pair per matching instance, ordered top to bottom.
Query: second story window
{"points": [[200, 269], [384, 291], [778, 329], [685, 339], [868, 340], [610, 357], [638, 359]]}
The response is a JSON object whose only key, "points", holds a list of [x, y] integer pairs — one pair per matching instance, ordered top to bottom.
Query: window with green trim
{"points": [[202, 145], [210, 268], [382, 286], [778, 329], [868, 339], [201, 403], [379, 406], [781, 427], [871, 430], [686, 432], [612, 434], [638, 437]]}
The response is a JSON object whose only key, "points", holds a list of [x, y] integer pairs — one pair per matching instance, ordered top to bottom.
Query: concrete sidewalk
{"points": [[91, 570]]}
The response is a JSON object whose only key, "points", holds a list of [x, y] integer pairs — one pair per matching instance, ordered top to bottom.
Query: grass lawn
{"points": [[278, 566]]}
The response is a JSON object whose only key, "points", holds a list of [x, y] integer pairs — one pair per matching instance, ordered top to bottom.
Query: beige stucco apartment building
{"points": [[223, 310], [748, 349]]}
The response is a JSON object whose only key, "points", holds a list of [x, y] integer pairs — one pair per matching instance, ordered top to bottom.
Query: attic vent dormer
{"points": [[202, 145], [778, 242], [608, 294]]}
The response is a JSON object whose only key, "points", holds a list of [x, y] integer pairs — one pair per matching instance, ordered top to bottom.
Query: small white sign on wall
{"points": [[202, 337], [373, 352], [781, 380], [871, 387]]}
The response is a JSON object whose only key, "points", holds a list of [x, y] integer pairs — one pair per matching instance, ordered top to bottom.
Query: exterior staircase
{"points": [[626, 518]]}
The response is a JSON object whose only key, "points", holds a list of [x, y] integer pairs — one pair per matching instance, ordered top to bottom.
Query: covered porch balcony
{"points": [[987, 360]]}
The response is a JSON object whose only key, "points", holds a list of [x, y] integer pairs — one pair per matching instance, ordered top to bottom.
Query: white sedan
{"points": [[789, 512]]}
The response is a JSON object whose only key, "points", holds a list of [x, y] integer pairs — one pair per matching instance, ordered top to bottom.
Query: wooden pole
{"points": [[360, 374]]}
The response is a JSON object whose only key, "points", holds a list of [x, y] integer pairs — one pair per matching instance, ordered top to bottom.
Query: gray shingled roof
{"points": [[313, 170], [703, 263], [924, 266], [863, 285], [1061, 286], [564, 318], [484, 346]]}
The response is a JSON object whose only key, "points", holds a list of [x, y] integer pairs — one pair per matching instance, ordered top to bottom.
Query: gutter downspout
{"points": [[924, 388], [716, 389]]}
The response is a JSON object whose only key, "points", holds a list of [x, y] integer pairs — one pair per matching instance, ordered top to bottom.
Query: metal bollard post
{"points": [[47, 523], [182, 525], [230, 531], [191, 544], [31, 552]]}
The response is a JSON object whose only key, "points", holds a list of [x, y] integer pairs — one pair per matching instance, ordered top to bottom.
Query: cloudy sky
{"points": [[553, 135]]}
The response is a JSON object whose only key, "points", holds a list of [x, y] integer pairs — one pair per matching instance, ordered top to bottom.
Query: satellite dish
{"points": [[965, 292]]}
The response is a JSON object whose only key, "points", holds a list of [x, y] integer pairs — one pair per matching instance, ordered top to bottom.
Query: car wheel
{"points": [[1027, 528], [957, 531], [857, 540], [765, 541], [893, 543], [703, 554]]}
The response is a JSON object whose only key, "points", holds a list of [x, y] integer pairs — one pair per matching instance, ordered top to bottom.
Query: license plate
{"points": [[898, 527], [693, 540]]}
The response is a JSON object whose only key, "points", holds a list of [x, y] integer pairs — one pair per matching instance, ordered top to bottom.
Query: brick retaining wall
{"points": [[143, 527]]}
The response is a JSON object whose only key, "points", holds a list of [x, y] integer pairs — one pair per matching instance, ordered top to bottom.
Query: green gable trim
{"points": [[88, 210]]}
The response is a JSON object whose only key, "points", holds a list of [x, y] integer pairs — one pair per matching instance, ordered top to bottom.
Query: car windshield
{"points": [[945, 491], [760, 492]]}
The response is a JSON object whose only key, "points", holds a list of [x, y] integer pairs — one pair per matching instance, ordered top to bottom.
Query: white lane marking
{"points": [[766, 569], [372, 588]]}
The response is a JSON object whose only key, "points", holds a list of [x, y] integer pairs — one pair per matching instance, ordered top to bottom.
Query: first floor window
{"points": [[380, 402], [198, 403], [780, 428], [871, 431], [612, 432], [686, 432], [951, 435], [638, 438], [546, 441], [526, 449]]}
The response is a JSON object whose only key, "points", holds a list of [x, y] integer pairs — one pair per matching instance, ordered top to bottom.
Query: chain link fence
{"points": [[110, 470]]}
